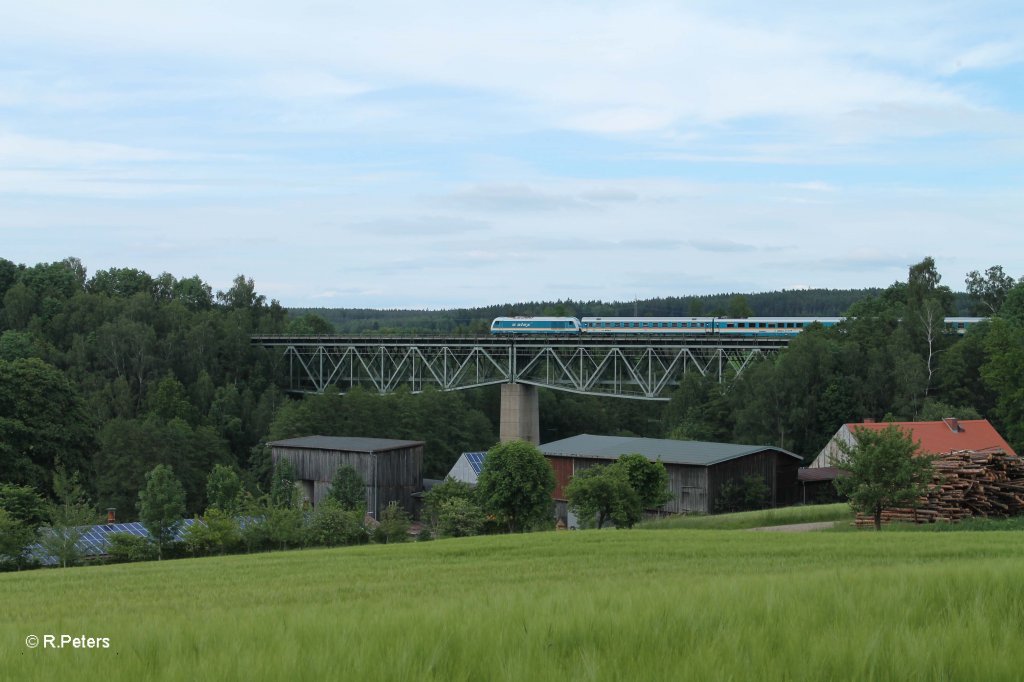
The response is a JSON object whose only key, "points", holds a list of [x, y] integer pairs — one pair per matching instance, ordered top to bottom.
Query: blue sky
{"points": [[448, 154]]}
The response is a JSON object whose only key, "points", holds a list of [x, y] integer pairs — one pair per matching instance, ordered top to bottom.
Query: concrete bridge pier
{"points": [[520, 413]]}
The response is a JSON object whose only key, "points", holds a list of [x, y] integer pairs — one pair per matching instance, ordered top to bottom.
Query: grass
{"points": [[756, 519], [969, 524], [598, 605]]}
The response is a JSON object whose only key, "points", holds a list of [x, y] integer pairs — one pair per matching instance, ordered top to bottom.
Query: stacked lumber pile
{"points": [[965, 484]]}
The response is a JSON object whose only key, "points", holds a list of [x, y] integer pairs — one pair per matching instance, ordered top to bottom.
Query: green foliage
{"points": [[989, 292], [738, 307], [309, 324], [15, 345], [935, 410], [41, 422], [129, 448], [884, 471], [649, 479], [515, 485], [348, 488], [223, 489], [447, 490], [283, 493], [603, 493], [742, 494], [24, 504], [162, 506], [22, 512], [70, 515], [458, 517], [253, 524], [332, 525], [394, 525], [283, 526], [217, 532], [15, 536], [126, 547]]}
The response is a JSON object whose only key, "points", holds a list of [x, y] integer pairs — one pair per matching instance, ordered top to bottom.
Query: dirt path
{"points": [[797, 527]]}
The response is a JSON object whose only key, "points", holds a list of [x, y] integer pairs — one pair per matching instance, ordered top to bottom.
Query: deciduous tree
{"points": [[884, 471], [515, 485], [348, 488], [603, 493], [162, 506], [70, 516]]}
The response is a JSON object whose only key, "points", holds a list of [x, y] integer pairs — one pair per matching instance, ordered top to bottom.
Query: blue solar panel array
{"points": [[476, 460], [95, 541]]}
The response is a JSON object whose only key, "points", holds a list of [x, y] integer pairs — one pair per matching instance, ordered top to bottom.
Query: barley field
{"points": [[596, 605]]}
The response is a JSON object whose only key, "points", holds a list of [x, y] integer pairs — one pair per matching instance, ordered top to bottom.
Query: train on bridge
{"points": [[764, 327]]}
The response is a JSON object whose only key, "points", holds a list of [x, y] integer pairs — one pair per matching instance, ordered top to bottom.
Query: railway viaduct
{"points": [[643, 367]]}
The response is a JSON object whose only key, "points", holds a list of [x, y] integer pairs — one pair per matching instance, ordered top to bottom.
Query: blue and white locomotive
{"points": [[535, 325]]}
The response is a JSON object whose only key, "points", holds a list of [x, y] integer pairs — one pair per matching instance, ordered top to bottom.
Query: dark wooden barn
{"points": [[391, 469], [696, 470]]}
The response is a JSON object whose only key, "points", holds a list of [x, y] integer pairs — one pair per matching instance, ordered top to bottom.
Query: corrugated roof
{"points": [[939, 437], [346, 444], [691, 452]]}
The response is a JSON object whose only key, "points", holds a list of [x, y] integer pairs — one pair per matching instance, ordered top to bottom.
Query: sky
{"points": [[443, 154]]}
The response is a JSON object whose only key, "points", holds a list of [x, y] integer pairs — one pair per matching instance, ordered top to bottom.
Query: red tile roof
{"points": [[937, 438]]}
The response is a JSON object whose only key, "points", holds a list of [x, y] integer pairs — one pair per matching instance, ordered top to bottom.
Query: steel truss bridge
{"points": [[642, 367]]}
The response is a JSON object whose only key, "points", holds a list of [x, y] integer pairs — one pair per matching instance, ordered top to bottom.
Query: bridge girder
{"points": [[646, 368]]}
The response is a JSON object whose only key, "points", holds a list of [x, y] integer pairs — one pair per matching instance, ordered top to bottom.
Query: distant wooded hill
{"points": [[818, 302]]}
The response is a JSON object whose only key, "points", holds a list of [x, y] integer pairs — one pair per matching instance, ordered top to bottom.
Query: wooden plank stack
{"points": [[965, 484]]}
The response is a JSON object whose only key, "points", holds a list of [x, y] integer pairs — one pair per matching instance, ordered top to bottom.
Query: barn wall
{"points": [[563, 467], [778, 471], [399, 472], [787, 486], [689, 488], [695, 488]]}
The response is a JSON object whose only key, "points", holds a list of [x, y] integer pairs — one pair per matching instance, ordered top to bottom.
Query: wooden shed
{"points": [[391, 469], [696, 470]]}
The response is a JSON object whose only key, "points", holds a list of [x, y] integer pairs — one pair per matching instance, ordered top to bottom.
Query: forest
{"points": [[110, 374]]}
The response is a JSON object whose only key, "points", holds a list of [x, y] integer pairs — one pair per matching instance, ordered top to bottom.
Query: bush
{"points": [[447, 490], [459, 517], [332, 525], [394, 525], [216, 532], [125, 547]]}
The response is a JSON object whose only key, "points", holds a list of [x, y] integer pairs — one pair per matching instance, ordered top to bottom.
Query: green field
{"points": [[756, 519], [598, 605]]}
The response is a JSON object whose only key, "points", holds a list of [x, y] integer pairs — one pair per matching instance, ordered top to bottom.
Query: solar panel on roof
{"points": [[476, 460], [95, 540]]}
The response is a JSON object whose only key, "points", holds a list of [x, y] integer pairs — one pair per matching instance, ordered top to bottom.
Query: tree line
{"points": [[110, 375]]}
